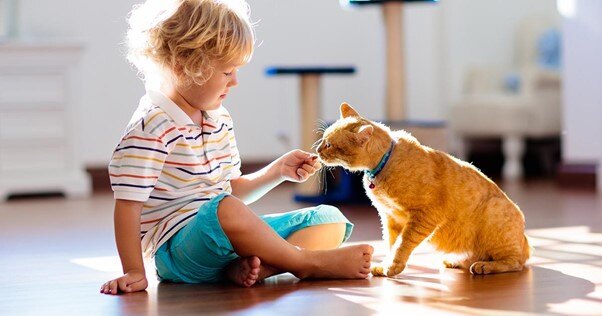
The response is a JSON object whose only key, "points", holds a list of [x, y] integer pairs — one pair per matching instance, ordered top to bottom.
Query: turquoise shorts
{"points": [[200, 251]]}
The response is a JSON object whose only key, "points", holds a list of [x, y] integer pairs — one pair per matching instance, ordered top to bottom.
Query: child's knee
{"points": [[329, 211], [232, 214], [335, 217]]}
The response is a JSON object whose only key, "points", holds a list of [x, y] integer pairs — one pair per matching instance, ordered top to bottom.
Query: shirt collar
{"points": [[174, 111]]}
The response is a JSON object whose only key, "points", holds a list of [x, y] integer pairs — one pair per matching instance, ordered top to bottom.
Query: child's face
{"points": [[209, 96]]}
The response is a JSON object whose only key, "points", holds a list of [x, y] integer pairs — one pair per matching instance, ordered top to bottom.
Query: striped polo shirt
{"points": [[172, 165]]}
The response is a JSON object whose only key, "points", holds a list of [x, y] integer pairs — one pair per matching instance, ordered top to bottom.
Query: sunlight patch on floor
{"points": [[572, 234], [103, 264], [576, 307]]}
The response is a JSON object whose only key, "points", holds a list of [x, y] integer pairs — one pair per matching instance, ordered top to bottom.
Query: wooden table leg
{"points": [[395, 97], [310, 107]]}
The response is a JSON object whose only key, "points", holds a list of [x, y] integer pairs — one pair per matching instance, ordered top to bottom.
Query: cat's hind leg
{"points": [[454, 263], [497, 266]]}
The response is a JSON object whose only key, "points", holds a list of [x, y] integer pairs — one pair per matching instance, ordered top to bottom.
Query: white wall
{"points": [[441, 39], [582, 89]]}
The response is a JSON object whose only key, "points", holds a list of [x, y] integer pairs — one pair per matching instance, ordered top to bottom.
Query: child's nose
{"points": [[234, 80]]}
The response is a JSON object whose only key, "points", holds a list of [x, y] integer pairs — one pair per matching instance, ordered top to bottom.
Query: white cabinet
{"points": [[39, 128]]}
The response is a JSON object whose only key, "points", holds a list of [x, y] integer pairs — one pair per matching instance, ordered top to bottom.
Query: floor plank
{"points": [[55, 254]]}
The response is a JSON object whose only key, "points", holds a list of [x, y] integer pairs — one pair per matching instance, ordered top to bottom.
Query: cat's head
{"points": [[349, 140]]}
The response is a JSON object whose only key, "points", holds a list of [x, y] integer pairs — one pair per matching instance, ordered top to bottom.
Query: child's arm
{"points": [[295, 166], [127, 237]]}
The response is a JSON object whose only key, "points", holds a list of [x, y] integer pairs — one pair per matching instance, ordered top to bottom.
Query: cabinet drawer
{"points": [[33, 88], [24, 125], [32, 159]]}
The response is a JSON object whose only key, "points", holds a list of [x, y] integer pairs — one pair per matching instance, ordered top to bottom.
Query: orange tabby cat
{"points": [[423, 193]]}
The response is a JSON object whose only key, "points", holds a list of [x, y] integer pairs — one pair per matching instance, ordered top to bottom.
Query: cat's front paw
{"points": [[394, 269], [389, 270], [377, 271]]}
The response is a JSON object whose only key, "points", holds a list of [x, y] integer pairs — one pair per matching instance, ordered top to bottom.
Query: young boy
{"points": [[180, 196]]}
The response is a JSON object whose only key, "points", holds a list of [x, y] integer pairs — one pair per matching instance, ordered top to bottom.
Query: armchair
{"points": [[512, 105]]}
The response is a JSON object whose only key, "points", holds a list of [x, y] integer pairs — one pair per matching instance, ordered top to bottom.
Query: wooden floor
{"points": [[55, 254]]}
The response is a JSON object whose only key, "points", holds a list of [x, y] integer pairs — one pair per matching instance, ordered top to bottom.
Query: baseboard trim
{"points": [[567, 175], [581, 176], [101, 182]]}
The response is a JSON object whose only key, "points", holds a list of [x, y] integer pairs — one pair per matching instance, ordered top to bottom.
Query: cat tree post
{"points": [[310, 94], [395, 97]]}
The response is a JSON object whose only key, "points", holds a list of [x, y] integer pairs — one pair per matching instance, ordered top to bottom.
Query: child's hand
{"points": [[298, 165], [129, 282]]}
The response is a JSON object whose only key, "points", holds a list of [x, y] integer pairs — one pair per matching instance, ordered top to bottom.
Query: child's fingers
{"points": [[312, 159], [317, 165], [307, 167], [313, 167], [303, 175], [113, 287], [104, 288]]}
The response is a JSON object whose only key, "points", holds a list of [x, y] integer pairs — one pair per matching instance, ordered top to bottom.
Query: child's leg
{"points": [[315, 228], [250, 236], [319, 237], [200, 251], [249, 270]]}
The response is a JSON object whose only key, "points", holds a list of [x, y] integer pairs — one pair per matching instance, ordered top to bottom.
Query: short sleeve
{"points": [[234, 154], [136, 165]]}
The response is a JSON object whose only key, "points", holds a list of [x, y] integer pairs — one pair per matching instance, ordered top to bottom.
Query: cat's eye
{"points": [[327, 145]]}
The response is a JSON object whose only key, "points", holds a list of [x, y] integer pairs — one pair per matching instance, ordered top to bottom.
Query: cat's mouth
{"points": [[327, 162]]}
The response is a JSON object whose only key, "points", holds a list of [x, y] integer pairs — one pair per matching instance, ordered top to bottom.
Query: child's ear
{"points": [[347, 110], [364, 134]]}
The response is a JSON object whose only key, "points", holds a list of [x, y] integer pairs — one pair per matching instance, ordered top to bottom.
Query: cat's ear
{"points": [[348, 111], [364, 134]]}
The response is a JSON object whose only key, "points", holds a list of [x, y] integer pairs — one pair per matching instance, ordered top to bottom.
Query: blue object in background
{"points": [[368, 2], [548, 49], [308, 70], [512, 83]]}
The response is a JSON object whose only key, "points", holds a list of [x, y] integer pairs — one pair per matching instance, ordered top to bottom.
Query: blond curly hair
{"points": [[186, 37]]}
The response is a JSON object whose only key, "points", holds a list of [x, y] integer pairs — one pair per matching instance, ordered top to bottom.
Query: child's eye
{"points": [[229, 73]]}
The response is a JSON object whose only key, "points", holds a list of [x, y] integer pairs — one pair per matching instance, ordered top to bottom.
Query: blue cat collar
{"points": [[371, 174]]}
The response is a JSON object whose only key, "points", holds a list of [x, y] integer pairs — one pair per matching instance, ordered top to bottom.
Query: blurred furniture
{"points": [[9, 13], [395, 81], [39, 85], [513, 104], [309, 110]]}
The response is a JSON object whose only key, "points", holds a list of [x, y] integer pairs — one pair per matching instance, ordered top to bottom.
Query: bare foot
{"points": [[351, 262], [244, 271], [248, 271]]}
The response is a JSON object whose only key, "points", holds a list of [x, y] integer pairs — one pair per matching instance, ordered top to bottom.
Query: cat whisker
{"points": [[321, 127], [316, 143], [323, 181]]}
